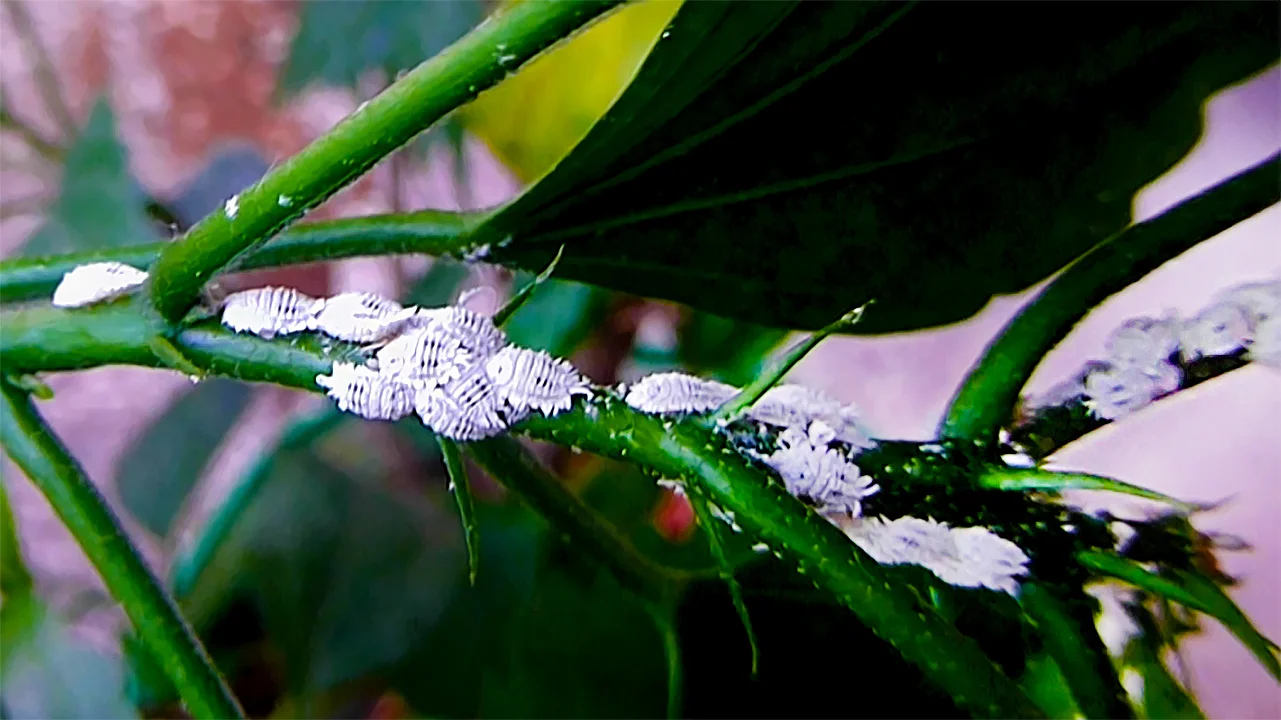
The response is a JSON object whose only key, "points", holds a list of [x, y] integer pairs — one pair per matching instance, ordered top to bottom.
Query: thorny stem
{"points": [[46, 77], [413, 103], [430, 232], [44, 338], [772, 375], [986, 399], [34, 448], [460, 487]]}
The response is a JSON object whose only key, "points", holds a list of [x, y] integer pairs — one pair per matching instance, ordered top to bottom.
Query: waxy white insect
{"points": [[95, 283], [1262, 300], [269, 311], [360, 317], [1221, 329], [477, 333], [1143, 342], [1266, 347], [424, 353], [533, 380], [364, 392], [673, 392], [1115, 392], [797, 406], [465, 408], [812, 470], [964, 557]]}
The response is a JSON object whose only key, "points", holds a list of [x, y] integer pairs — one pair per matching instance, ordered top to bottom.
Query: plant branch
{"points": [[409, 106], [429, 232], [48, 339], [986, 399], [33, 447], [1026, 479]]}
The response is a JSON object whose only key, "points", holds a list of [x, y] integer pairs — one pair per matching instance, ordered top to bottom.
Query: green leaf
{"points": [[338, 42], [730, 176], [99, 205], [160, 468], [1028, 479], [460, 486], [1194, 591], [46, 673], [1043, 681], [1163, 696]]}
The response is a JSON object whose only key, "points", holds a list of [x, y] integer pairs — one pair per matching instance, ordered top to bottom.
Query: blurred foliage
{"points": [[339, 41], [536, 116], [231, 169], [723, 178], [99, 205], [558, 316], [732, 351], [161, 466]]}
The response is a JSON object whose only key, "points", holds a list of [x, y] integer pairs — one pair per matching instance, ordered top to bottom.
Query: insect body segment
{"points": [[95, 283], [269, 311], [360, 317], [424, 353], [533, 380], [364, 392], [674, 392], [465, 408], [812, 470], [965, 557]]}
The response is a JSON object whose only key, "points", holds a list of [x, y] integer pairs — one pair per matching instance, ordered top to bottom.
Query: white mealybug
{"points": [[95, 283], [1262, 300], [269, 311], [360, 317], [1221, 329], [477, 332], [1143, 342], [1266, 348], [427, 352], [533, 380], [364, 392], [673, 392], [1116, 392], [798, 406], [465, 408], [812, 470], [965, 557]]}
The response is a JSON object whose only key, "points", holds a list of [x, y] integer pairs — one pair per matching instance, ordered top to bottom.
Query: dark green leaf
{"points": [[338, 42], [733, 175], [99, 205], [163, 464], [46, 673], [1043, 681], [1163, 696]]}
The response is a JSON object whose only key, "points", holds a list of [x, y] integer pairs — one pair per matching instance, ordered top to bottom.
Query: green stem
{"points": [[409, 106], [429, 232], [49, 339], [771, 377], [986, 399], [33, 447], [460, 487], [709, 525]]}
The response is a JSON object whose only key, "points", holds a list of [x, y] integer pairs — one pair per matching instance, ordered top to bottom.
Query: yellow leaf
{"points": [[535, 117]]}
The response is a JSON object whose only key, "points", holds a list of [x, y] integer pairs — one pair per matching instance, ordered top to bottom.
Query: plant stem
{"points": [[413, 103], [430, 232], [505, 312], [986, 399], [33, 447], [1028, 479], [460, 487]]}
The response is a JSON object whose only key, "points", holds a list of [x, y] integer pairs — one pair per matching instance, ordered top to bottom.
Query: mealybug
{"points": [[95, 283], [269, 311], [360, 317], [1221, 329], [477, 333], [424, 352], [533, 380], [364, 392], [673, 392], [1116, 392], [798, 406], [466, 408], [965, 557]]}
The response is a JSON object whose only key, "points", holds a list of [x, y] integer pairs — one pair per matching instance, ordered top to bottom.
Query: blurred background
{"points": [[137, 117]]}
